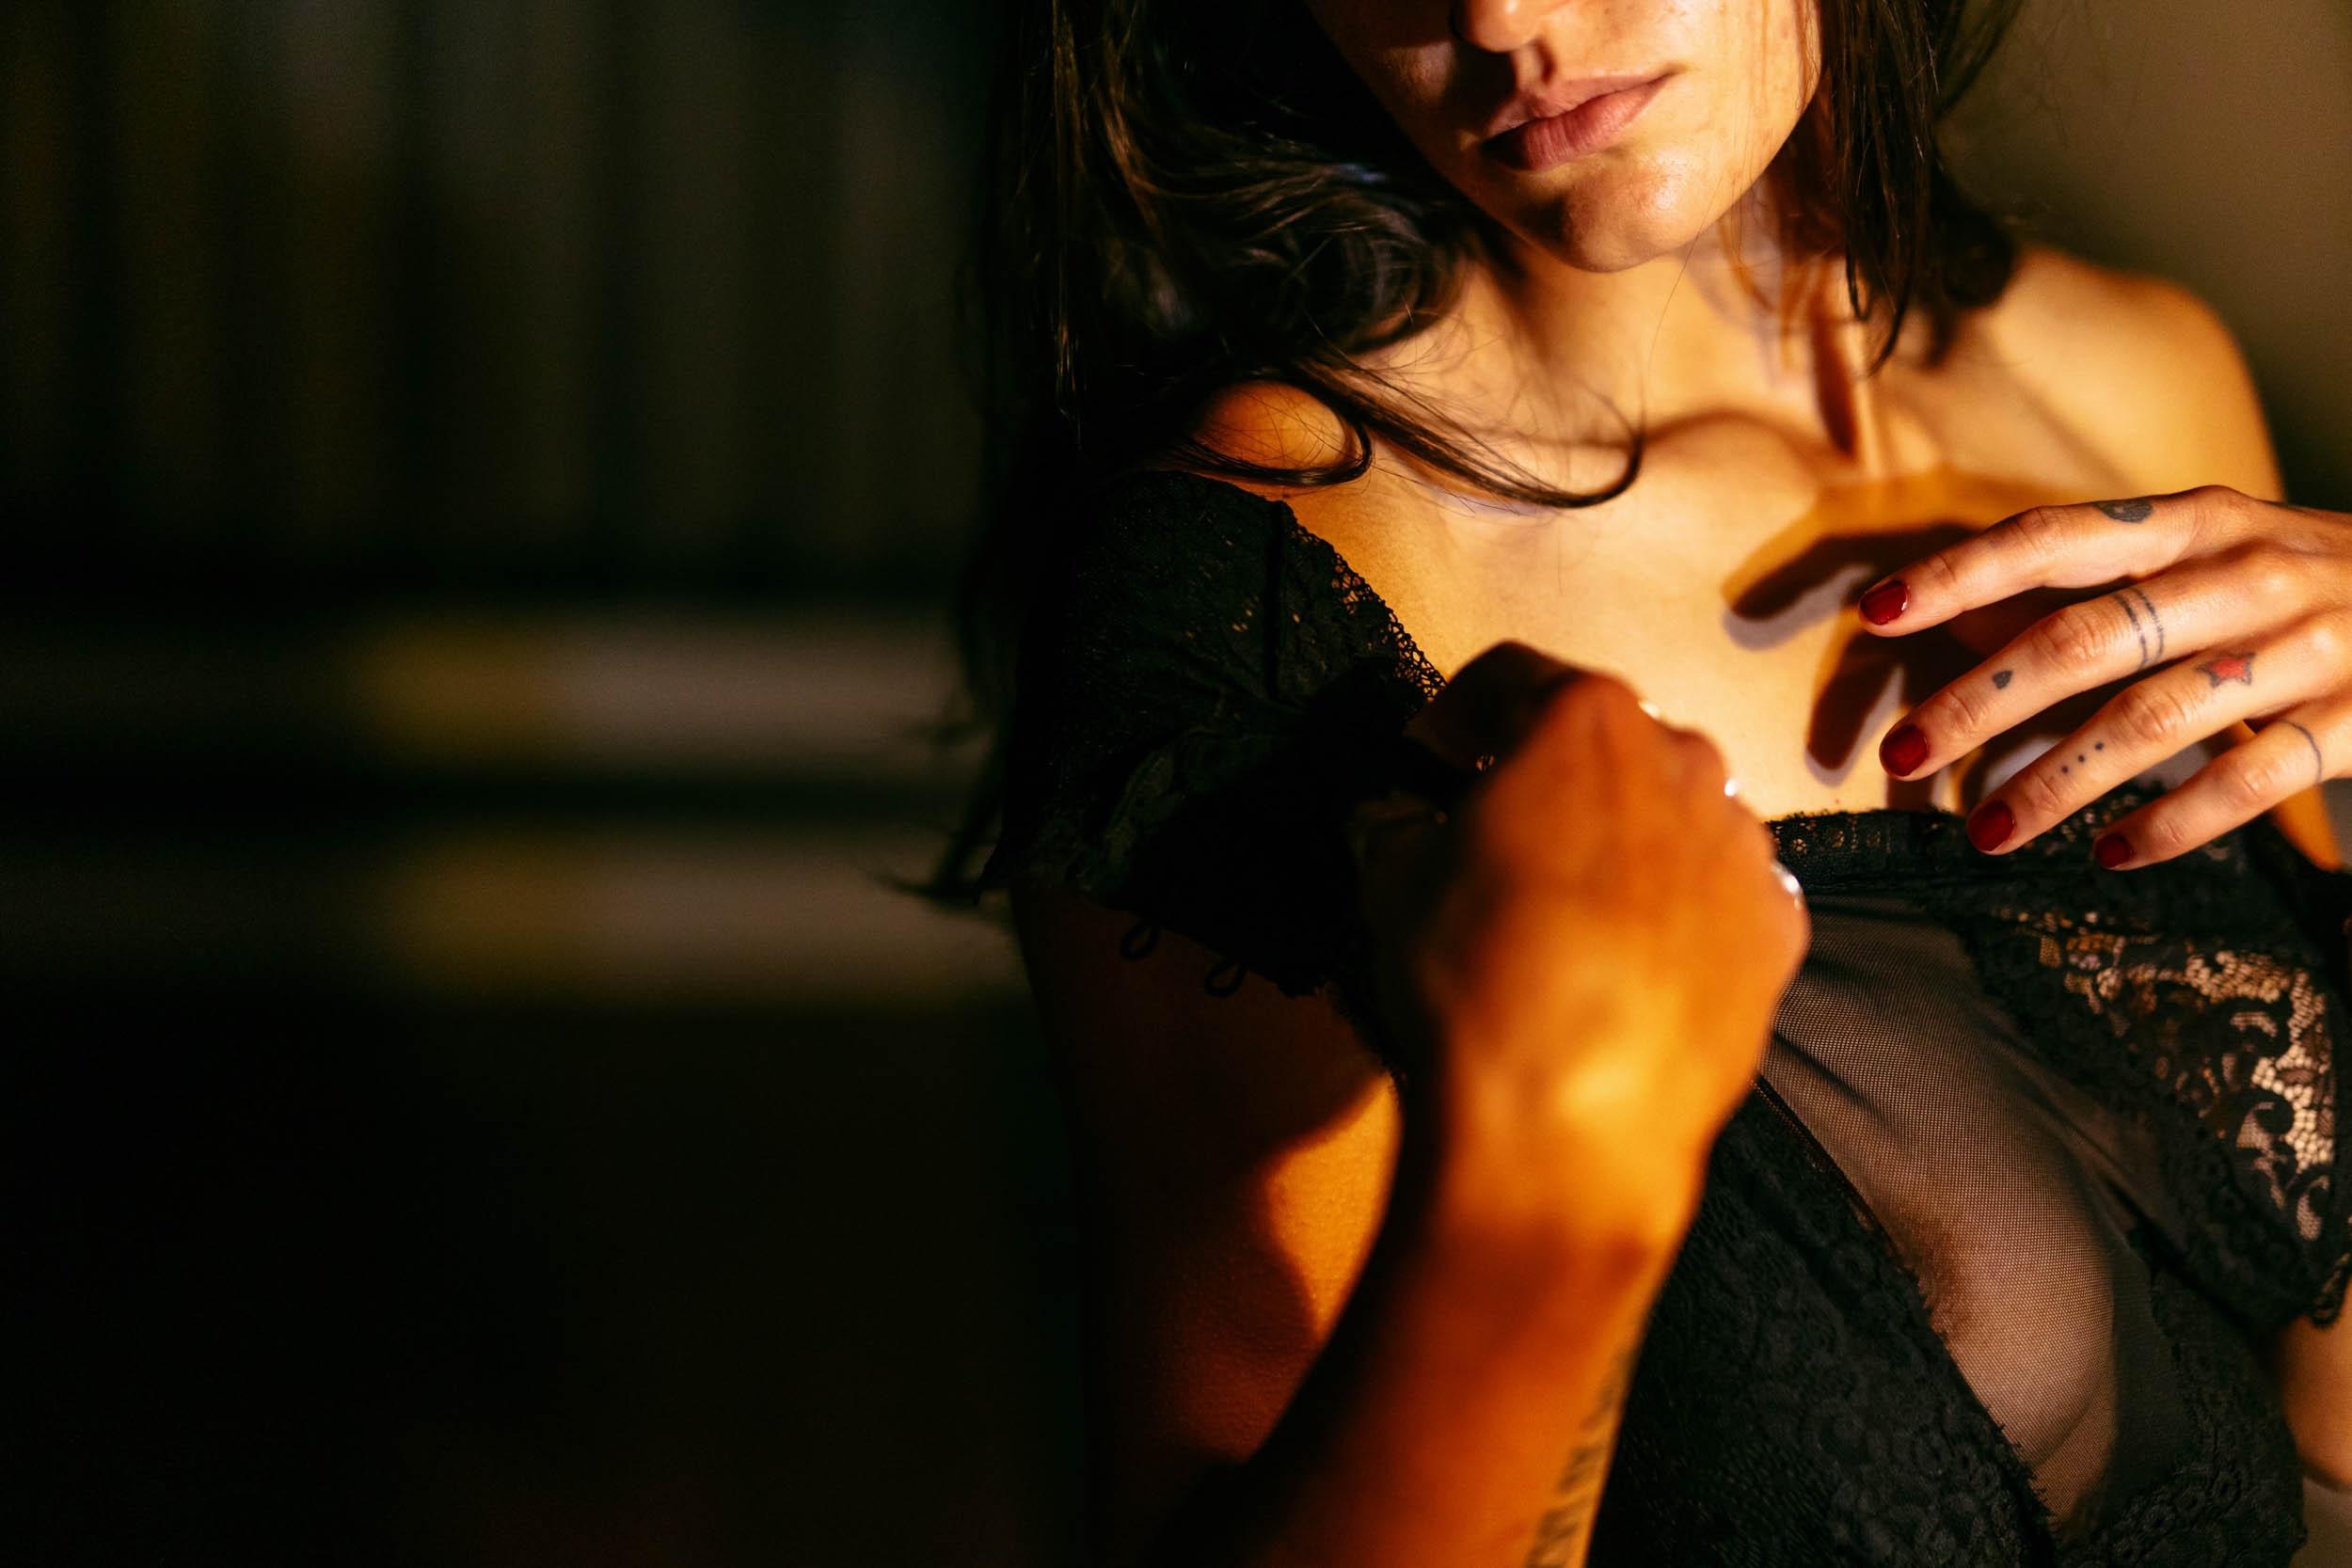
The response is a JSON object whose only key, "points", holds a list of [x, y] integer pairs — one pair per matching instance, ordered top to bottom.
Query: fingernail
{"points": [[1885, 602], [1903, 750], [1731, 789], [1990, 827], [2113, 851], [1788, 880]]}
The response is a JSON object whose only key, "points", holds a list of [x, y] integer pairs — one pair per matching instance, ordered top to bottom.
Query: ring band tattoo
{"points": [[2135, 511], [2154, 622], [2319, 764]]}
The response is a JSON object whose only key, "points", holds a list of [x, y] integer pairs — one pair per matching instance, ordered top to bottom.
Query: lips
{"points": [[1583, 119]]}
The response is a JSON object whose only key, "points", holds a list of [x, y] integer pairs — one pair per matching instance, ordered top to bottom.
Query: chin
{"points": [[1612, 224]]}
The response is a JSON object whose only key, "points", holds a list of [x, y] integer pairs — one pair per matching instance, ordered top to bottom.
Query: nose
{"points": [[1498, 26]]}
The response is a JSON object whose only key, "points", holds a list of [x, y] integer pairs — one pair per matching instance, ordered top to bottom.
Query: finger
{"points": [[2053, 546], [2241, 594], [1492, 703], [2155, 719], [2297, 750]]}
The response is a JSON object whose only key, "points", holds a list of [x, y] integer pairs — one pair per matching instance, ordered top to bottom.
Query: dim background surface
{"points": [[480, 480]]}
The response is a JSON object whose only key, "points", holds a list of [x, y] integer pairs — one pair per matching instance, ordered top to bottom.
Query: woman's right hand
{"points": [[1585, 952]]}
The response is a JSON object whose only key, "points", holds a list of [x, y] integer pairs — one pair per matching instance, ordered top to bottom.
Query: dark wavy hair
{"points": [[1182, 196]]}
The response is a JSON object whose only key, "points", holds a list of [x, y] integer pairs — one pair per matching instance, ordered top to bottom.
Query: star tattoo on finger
{"points": [[2229, 667]]}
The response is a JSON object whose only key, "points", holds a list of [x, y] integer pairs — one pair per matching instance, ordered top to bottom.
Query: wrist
{"points": [[1595, 1179]]}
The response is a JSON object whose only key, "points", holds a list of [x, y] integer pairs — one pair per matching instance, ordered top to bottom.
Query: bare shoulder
{"points": [[2140, 368], [1276, 426], [1377, 523]]}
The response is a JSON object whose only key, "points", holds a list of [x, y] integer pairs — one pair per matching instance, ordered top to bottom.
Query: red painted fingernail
{"points": [[1885, 602], [1903, 750], [1990, 827], [2112, 850]]}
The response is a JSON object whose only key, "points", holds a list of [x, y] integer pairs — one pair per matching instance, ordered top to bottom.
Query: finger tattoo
{"points": [[2134, 511], [2148, 608], [2152, 623], [2229, 667], [2000, 679], [2319, 764]]}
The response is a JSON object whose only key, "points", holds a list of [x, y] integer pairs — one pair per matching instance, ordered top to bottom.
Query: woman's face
{"points": [[1602, 131]]}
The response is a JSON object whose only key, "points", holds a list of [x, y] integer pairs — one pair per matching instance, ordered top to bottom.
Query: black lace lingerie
{"points": [[2038, 1153]]}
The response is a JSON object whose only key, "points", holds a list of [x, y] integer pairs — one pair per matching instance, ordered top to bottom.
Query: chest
{"points": [[1723, 584]]}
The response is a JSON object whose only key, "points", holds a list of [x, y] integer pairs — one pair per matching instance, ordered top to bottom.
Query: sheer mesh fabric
{"points": [[2038, 1155], [2012, 1195]]}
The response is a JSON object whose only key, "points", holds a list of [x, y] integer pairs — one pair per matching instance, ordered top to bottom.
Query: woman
{"points": [[1452, 445]]}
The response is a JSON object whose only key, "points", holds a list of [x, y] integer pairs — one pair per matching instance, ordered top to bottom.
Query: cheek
{"points": [[1791, 43], [1403, 48], [1413, 81]]}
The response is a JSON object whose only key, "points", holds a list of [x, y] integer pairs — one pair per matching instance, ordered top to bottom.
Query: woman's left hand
{"points": [[2244, 610]]}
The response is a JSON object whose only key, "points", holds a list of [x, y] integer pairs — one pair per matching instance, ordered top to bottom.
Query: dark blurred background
{"points": [[480, 480]]}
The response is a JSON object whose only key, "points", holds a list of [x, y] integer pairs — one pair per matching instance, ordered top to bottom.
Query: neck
{"points": [[1553, 365]]}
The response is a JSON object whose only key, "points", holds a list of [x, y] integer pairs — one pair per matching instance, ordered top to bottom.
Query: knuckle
{"points": [[2211, 512], [2040, 532], [1942, 568], [2269, 571], [2079, 636], [2331, 636], [2326, 637], [1503, 654], [1602, 697], [1967, 709], [2153, 711], [1703, 760], [2250, 784], [2038, 790], [2160, 836]]}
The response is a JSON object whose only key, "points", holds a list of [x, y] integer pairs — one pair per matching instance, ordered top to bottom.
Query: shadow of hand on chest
{"points": [[1815, 570]]}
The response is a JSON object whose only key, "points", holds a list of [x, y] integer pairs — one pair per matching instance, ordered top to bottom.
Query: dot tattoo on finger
{"points": [[2135, 511], [2000, 679]]}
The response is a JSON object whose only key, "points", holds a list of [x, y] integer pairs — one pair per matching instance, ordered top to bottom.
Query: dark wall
{"points": [[2211, 144], [489, 290]]}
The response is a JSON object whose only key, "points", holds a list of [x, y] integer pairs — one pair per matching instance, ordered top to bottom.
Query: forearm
{"points": [[1465, 1407]]}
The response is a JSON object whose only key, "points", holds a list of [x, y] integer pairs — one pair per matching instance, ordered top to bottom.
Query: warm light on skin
{"points": [[1741, 76], [1616, 281], [1639, 285]]}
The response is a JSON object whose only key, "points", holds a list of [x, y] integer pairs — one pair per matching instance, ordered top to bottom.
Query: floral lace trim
{"points": [[1361, 598], [2267, 1094]]}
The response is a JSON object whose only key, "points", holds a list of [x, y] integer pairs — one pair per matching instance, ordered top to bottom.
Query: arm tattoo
{"points": [[2136, 511], [2229, 667], [2318, 764], [1564, 1526]]}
